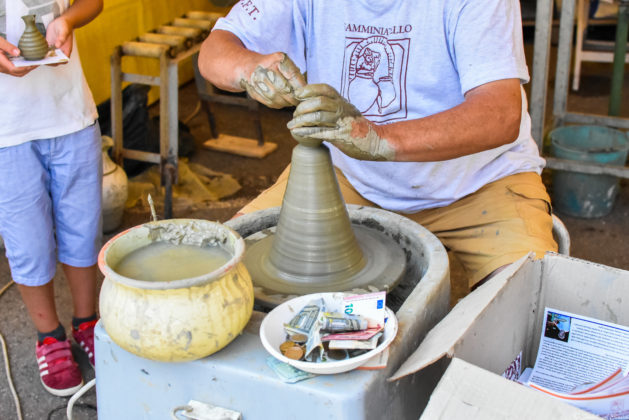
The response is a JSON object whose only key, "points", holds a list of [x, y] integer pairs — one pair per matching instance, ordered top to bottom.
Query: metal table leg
{"points": [[620, 51], [541, 55], [168, 128]]}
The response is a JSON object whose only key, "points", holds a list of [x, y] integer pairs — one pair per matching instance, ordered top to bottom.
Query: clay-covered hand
{"points": [[59, 35], [6, 66], [273, 83], [324, 114]]}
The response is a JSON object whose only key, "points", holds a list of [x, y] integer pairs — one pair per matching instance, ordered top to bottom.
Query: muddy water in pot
{"points": [[164, 261], [175, 290]]}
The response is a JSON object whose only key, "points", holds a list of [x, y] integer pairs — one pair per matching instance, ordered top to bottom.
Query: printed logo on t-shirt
{"points": [[250, 8], [374, 71]]}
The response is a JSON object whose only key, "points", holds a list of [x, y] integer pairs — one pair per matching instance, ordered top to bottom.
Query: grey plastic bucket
{"points": [[585, 195]]}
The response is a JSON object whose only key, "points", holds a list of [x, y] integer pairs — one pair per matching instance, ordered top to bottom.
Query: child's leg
{"points": [[76, 177], [75, 188], [26, 224], [27, 228], [82, 281], [40, 304]]}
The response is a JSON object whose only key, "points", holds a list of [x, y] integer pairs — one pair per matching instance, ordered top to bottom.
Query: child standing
{"points": [[50, 183]]}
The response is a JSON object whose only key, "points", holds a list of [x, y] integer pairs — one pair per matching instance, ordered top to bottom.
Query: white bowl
{"points": [[272, 335]]}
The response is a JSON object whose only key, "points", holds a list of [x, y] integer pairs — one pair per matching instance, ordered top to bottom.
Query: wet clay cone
{"points": [[32, 44], [314, 240], [315, 248]]}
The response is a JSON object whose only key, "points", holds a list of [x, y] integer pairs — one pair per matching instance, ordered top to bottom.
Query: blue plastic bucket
{"points": [[584, 195]]}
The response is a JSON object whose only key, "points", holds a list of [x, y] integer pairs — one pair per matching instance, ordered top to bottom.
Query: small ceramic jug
{"points": [[32, 44], [115, 189]]}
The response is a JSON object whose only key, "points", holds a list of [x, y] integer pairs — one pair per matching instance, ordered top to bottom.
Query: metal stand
{"points": [[170, 44], [620, 51], [541, 62], [208, 94]]}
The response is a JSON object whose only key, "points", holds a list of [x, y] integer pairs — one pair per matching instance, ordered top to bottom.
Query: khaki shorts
{"points": [[486, 230]]}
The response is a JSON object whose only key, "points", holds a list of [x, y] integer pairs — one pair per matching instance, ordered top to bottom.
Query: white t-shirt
{"points": [[399, 60], [49, 101]]}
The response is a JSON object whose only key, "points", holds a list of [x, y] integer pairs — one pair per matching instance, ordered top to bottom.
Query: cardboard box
{"points": [[489, 328], [470, 392]]}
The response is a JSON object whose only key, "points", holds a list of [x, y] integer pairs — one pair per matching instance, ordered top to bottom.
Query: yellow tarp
{"points": [[124, 20]]}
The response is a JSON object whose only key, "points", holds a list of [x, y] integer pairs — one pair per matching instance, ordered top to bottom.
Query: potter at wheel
{"points": [[314, 247]]}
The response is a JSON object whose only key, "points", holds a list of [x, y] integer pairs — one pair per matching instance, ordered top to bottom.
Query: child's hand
{"points": [[59, 35], [6, 66]]}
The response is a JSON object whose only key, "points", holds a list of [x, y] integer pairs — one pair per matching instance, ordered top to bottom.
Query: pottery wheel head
{"points": [[386, 264]]}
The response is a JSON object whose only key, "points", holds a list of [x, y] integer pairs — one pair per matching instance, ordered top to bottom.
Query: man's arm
{"points": [[224, 61], [269, 78], [488, 118]]}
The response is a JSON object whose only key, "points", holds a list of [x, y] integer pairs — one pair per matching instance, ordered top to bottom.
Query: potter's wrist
{"points": [[255, 60], [247, 67], [243, 73], [379, 130], [381, 144]]}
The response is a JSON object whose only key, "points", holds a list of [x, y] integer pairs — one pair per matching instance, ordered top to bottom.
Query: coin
{"points": [[299, 338], [285, 345], [295, 353]]}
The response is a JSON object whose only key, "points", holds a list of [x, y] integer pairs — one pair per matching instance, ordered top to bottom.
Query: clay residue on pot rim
{"points": [[191, 233]]}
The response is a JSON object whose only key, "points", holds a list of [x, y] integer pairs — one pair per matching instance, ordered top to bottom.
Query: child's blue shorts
{"points": [[50, 204]]}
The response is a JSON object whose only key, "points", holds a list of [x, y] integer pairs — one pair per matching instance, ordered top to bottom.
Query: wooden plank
{"points": [[240, 146]]}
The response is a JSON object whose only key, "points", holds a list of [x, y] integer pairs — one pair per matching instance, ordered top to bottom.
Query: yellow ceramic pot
{"points": [[176, 320]]}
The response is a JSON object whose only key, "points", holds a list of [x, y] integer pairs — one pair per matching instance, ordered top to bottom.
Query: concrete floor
{"points": [[599, 240]]}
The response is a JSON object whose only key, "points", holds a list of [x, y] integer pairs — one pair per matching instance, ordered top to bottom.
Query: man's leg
{"points": [[496, 225]]}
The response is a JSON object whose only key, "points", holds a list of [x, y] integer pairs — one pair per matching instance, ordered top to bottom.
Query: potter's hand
{"points": [[59, 35], [6, 66], [274, 81], [324, 114]]}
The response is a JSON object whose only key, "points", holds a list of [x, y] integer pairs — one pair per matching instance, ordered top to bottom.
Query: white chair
{"points": [[593, 50], [562, 237]]}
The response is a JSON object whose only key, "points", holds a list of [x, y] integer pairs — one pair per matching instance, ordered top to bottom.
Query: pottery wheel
{"points": [[315, 248], [385, 265]]}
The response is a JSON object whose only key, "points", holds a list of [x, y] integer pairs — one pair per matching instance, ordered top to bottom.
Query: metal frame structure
{"points": [[170, 44], [209, 94], [561, 116], [249, 147]]}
